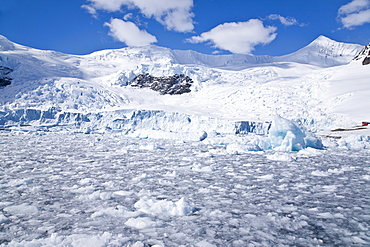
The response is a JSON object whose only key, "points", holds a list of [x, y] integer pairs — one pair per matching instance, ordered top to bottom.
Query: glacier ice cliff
{"points": [[129, 121], [280, 135]]}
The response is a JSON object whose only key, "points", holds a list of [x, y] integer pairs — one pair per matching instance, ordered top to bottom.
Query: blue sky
{"points": [[261, 27]]}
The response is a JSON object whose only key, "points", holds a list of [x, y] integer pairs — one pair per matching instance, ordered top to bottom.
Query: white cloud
{"points": [[108, 5], [353, 6], [90, 9], [355, 13], [175, 15], [127, 16], [356, 19], [286, 21], [128, 33], [237, 37]]}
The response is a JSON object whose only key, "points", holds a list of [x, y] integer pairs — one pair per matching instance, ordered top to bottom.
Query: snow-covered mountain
{"points": [[323, 52], [312, 86]]}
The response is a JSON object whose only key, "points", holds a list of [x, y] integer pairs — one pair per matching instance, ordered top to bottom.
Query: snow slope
{"points": [[309, 86]]}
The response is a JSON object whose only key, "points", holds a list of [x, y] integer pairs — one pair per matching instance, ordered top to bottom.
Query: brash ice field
{"points": [[156, 147]]}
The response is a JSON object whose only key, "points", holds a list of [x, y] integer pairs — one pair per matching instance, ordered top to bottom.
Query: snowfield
{"points": [[263, 151], [63, 189]]}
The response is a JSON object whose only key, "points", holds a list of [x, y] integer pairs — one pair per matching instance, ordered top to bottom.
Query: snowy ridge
{"points": [[5, 44], [321, 52], [324, 52], [192, 57]]}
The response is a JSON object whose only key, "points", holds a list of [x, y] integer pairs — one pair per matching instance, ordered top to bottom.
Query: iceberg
{"points": [[284, 135]]}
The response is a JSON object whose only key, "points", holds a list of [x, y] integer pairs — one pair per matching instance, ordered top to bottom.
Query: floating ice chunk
{"points": [[87, 130], [168, 135], [284, 135], [312, 141], [355, 142], [239, 145], [148, 147], [236, 148], [308, 152], [280, 156], [200, 168], [341, 170], [318, 173], [172, 174], [142, 177], [266, 177], [86, 181], [19, 182], [109, 184], [329, 188], [82, 190], [122, 193], [96, 195], [105, 196], [163, 207], [23, 209], [117, 211], [325, 215], [3, 219], [141, 223], [100, 240], [358, 240], [95, 241], [148, 242], [204, 243]]}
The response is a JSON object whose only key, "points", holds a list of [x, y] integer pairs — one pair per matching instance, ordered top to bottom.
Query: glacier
{"points": [[230, 95]]}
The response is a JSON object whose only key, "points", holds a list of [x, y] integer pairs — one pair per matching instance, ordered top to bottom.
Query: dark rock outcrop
{"points": [[364, 55], [366, 61], [4, 79], [176, 84]]}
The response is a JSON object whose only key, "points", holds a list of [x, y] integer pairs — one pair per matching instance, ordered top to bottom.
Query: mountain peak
{"points": [[322, 38], [324, 41], [5, 44], [325, 52]]}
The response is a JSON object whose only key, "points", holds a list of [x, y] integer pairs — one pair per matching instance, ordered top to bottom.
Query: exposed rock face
{"points": [[364, 55], [366, 60], [4, 79], [176, 84]]}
